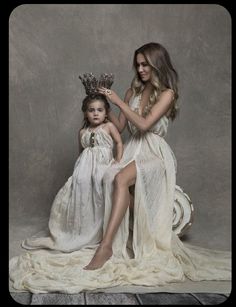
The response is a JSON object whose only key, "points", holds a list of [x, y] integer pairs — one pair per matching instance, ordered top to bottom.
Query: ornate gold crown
{"points": [[91, 83]]}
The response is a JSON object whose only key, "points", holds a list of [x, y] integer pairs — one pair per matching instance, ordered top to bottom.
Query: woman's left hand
{"points": [[111, 95]]}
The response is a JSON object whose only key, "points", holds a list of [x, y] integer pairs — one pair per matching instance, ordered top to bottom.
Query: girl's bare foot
{"points": [[103, 253]]}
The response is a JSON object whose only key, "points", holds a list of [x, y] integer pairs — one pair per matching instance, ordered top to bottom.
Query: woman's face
{"points": [[143, 68], [96, 112]]}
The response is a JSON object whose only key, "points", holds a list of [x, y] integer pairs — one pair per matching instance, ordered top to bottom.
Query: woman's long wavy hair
{"points": [[163, 75], [85, 105]]}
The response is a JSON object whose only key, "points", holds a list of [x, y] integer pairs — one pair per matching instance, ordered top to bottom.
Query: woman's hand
{"points": [[111, 95]]}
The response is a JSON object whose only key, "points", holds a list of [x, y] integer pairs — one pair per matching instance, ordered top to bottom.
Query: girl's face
{"points": [[143, 68], [96, 112]]}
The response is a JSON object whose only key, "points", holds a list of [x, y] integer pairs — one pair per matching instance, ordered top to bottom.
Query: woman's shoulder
{"points": [[168, 91], [129, 92], [128, 95], [167, 95]]}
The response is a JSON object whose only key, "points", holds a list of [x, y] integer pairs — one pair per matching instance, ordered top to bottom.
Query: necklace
{"points": [[92, 135], [92, 139]]}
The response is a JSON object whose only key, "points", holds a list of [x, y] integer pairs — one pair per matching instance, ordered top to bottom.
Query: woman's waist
{"points": [[160, 128], [136, 132], [142, 135], [146, 142], [148, 146]]}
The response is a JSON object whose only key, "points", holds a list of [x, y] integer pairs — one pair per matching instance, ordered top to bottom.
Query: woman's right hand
{"points": [[110, 94]]}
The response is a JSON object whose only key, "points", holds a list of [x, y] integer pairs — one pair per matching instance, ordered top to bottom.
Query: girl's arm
{"points": [[157, 111], [121, 121], [117, 139]]}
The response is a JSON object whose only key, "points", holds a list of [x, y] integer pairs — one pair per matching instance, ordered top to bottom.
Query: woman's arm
{"points": [[157, 111], [121, 121], [117, 139]]}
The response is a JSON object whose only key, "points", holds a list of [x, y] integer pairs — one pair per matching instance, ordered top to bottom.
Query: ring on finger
{"points": [[108, 92]]}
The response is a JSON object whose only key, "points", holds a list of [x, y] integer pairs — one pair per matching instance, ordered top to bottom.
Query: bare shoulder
{"points": [[168, 94], [128, 95], [109, 126], [81, 131]]}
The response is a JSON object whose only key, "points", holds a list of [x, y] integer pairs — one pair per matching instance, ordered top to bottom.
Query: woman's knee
{"points": [[120, 180]]}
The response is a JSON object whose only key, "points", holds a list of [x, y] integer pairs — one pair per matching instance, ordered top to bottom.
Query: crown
{"points": [[91, 83]]}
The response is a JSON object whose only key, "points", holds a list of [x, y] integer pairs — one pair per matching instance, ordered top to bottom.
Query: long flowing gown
{"points": [[76, 218], [153, 256]]}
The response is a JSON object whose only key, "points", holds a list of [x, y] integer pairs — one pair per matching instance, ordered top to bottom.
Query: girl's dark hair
{"points": [[90, 98]]}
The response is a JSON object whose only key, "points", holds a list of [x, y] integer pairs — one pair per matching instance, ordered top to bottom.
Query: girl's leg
{"points": [[125, 178]]}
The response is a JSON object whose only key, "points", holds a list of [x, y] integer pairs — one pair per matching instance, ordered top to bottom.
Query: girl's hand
{"points": [[111, 95]]}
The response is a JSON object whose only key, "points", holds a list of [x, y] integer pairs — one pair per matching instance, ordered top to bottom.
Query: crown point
{"points": [[91, 83]]}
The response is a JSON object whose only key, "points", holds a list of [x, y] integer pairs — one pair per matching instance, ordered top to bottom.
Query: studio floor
{"points": [[86, 298]]}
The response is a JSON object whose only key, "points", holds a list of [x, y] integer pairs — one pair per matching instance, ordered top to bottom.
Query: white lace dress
{"points": [[77, 212], [159, 257]]}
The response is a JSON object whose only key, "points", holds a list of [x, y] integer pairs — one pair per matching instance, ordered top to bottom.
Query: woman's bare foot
{"points": [[103, 253]]}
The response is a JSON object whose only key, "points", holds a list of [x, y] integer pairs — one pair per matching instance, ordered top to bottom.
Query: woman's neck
{"points": [[148, 86]]}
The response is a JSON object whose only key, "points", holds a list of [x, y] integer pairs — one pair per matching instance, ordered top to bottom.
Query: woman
{"points": [[148, 106], [149, 164]]}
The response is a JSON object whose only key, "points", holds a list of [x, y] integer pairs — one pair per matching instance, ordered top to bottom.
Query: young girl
{"points": [[77, 212]]}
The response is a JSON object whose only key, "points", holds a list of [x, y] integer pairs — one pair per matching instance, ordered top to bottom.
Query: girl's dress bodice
{"points": [[97, 139]]}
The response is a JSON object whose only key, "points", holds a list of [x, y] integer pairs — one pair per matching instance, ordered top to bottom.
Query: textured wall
{"points": [[49, 45]]}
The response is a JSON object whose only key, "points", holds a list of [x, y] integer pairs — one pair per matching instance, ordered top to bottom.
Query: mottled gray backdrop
{"points": [[50, 45]]}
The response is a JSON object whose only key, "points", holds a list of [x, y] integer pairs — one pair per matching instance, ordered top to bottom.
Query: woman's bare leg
{"points": [[125, 178]]}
